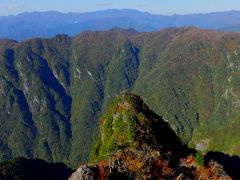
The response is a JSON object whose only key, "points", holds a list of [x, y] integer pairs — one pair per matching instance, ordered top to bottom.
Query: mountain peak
{"points": [[129, 122], [136, 143]]}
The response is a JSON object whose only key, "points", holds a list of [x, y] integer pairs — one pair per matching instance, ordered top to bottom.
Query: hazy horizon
{"points": [[170, 7], [43, 11]]}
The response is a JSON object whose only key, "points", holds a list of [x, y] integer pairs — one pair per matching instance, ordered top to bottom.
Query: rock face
{"points": [[53, 91], [82, 173]]}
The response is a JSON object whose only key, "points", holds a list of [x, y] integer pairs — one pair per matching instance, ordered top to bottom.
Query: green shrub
{"points": [[199, 159]]}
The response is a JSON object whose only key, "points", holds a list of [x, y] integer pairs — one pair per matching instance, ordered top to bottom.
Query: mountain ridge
{"points": [[54, 90]]}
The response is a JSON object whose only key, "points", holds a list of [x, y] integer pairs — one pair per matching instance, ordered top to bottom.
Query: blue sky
{"points": [[169, 7]]}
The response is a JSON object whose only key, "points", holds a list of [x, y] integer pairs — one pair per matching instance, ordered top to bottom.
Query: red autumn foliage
{"points": [[104, 169]]}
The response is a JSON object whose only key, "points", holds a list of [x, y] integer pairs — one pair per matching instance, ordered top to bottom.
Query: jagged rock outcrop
{"points": [[135, 143], [84, 173]]}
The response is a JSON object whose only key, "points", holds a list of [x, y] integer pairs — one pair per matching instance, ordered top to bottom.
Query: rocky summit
{"points": [[136, 143]]}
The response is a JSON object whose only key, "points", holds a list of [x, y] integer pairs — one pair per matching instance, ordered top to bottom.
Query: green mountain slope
{"points": [[53, 91]]}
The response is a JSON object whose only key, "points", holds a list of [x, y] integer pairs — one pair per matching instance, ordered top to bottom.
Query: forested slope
{"points": [[53, 91]]}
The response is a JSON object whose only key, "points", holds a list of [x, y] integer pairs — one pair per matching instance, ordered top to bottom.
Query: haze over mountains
{"points": [[48, 24]]}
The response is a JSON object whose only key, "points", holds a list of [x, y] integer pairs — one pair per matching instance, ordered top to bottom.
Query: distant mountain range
{"points": [[48, 24]]}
